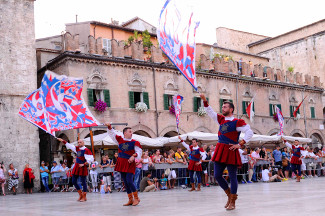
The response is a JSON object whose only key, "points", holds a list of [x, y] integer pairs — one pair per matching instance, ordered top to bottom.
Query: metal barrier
{"points": [[62, 180]]}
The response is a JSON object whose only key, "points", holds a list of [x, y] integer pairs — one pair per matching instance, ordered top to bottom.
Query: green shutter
{"points": [[90, 97], [107, 98], [131, 99], [146, 99], [208, 99], [166, 102], [220, 103], [279, 105], [244, 107], [254, 107], [195, 108], [271, 111], [291, 111], [298, 111], [312, 112]]}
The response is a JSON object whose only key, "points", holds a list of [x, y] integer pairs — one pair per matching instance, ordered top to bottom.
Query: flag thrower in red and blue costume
{"points": [[176, 36], [177, 102], [57, 105], [280, 119]]}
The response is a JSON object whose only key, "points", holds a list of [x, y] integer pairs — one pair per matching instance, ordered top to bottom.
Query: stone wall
{"points": [[19, 139]]}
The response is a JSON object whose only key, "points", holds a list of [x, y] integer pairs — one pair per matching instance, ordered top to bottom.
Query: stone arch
{"points": [[96, 80], [137, 83], [200, 88], [224, 91], [273, 97], [293, 99], [311, 101], [170, 128], [146, 129], [203, 129], [256, 131], [272, 132], [142, 133], [297, 133], [170, 134], [317, 135], [59, 145]]}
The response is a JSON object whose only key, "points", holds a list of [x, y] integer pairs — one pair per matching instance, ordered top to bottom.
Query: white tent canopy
{"points": [[206, 138]]}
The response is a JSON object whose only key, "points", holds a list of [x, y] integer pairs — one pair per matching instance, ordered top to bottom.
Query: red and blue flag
{"points": [[176, 36], [177, 102], [57, 105], [280, 119]]}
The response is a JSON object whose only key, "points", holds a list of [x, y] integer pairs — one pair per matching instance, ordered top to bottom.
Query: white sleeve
{"points": [[211, 113], [248, 132], [112, 134], [288, 145], [186, 146], [72, 147], [138, 150], [203, 155], [89, 158]]}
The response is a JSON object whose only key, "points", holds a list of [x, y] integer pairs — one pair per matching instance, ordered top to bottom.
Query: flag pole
{"points": [[92, 140]]}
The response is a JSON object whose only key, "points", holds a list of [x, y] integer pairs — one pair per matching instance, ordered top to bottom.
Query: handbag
{"points": [[284, 162], [32, 176]]}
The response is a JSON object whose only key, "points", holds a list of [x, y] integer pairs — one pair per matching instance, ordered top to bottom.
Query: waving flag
{"points": [[176, 36], [177, 102], [57, 105], [296, 110], [250, 111], [280, 119]]}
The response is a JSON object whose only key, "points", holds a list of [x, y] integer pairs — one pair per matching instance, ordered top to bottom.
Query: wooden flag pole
{"points": [[92, 140]]}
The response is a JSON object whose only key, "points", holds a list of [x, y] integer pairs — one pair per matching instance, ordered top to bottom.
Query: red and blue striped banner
{"points": [[177, 102]]}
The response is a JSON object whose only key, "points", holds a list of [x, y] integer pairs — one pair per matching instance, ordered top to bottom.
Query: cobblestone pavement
{"points": [[285, 198]]}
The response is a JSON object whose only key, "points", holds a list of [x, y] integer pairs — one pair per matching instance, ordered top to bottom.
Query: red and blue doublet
{"points": [[228, 135], [125, 150], [296, 153], [195, 156], [80, 159]]}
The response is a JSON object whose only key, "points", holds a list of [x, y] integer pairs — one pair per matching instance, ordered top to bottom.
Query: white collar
{"points": [[229, 118], [82, 148]]}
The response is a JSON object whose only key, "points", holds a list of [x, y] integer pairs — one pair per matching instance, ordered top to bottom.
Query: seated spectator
{"points": [[180, 158], [311, 167], [44, 170], [55, 171], [93, 175], [267, 175], [64, 177], [2, 178], [13, 178], [107, 178], [28, 179], [163, 182], [146, 184]]}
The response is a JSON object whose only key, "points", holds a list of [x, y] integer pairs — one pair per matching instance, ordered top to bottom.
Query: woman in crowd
{"points": [[286, 161], [205, 164], [251, 164], [44, 170], [172, 173], [93, 175], [117, 175], [137, 175], [64, 177], [2, 178], [13, 178], [28, 179], [107, 179]]}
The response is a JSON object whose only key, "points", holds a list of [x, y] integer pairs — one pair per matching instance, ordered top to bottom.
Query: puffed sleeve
{"points": [[215, 116], [245, 128], [70, 146], [186, 146], [138, 150], [203, 154], [89, 156]]}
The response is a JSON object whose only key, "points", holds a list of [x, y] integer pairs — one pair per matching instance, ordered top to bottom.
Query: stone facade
{"points": [[19, 139]]}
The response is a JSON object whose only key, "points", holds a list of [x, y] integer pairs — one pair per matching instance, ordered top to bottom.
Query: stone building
{"points": [[122, 81], [19, 140]]}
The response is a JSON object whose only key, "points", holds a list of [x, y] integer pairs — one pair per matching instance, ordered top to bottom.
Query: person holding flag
{"points": [[128, 150], [226, 152], [84, 158], [295, 158], [195, 162]]}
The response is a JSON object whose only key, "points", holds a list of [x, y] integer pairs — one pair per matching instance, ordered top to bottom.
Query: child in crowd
{"points": [[267, 174], [163, 182], [156, 183], [102, 187]]}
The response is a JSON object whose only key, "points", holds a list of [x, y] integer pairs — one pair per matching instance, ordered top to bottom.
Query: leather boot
{"points": [[298, 179], [193, 187], [198, 187], [80, 195], [228, 195], [84, 197], [136, 198], [130, 202], [232, 204]]}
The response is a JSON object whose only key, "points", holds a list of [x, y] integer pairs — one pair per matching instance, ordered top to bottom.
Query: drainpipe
{"points": [[155, 92], [305, 121]]}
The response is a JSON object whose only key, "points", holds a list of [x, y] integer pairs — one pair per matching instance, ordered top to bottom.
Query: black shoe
{"points": [[14, 193]]}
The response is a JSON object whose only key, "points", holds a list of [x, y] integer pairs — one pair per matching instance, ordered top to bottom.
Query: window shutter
{"points": [[90, 97], [107, 98], [131, 99], [146, 99], [208, 99], [166, 102], [220, 103], [279, 105], [254, 106], [244, 107], [195, 108], [271, 109], [291, 111], [298, 111], [312, 112]]}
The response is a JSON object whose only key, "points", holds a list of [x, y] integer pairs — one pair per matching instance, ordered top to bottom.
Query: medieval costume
{"points": [[295, 159]]}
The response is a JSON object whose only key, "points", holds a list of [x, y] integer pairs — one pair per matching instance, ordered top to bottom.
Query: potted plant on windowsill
{"points": [[146, 41], [100, 106], [141, 107], [172, 110], [201, 112], [275, 117]]}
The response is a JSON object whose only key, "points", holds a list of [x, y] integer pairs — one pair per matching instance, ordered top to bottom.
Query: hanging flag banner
{"points": [[176, 36], [177, 102], [57, 105], [297, 109], [250, 110], [280, 119]]}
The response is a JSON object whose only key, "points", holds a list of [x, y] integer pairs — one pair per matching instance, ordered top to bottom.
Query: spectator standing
{"points": [[277, 154], [321, 155], [286, 160], [146, 161], [251, 163], [205, 165], [311, 167], [257, 168], [244, 169], [44, 170], [55, 171], [172, 173], [93, 175], [117, 175], [137, 175], [64, 177], [2, 178], [13, 178], [28, 179], [107, 180], [146, 184]]}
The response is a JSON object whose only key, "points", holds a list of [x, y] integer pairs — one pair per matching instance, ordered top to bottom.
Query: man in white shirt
{"points": [[311, 166], [244, 169], [267, 175]]}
